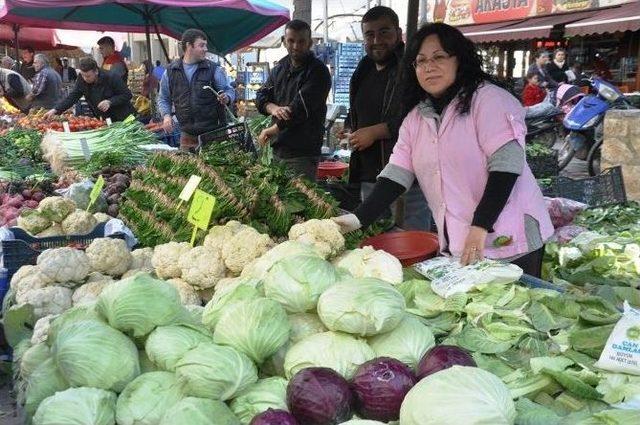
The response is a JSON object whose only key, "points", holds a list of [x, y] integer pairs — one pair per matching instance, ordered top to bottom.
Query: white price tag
{"points": [[108, 121], [65, 126], [85, 149], [189, 188]]}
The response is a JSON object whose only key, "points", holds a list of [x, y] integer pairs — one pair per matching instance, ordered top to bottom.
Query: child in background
{"points": [[533, 93]]}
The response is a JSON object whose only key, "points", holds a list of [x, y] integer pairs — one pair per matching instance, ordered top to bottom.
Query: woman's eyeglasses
{"points": [[438, 60]]}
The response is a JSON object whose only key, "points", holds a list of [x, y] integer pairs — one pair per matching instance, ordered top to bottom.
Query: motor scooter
{"points": [[585, 124]]}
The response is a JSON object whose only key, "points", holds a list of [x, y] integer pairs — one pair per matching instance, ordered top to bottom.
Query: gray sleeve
{"points": [[509, 158], [398, 175]]}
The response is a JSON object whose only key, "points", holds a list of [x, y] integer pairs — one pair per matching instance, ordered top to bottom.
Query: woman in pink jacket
{"points": [[463, 139]]}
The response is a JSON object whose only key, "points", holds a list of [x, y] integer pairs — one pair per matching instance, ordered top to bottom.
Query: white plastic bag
{"points": [[622, 352]]}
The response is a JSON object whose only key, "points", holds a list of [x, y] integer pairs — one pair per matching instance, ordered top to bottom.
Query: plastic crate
{"points": [[238, 132], [544, 166], [604, 189], [25, 249]]}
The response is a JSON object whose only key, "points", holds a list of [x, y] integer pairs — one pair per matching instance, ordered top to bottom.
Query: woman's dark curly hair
{"points": [[468, 78]]}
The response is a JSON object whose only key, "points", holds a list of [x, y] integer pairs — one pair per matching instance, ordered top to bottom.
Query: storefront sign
{"points": [[465, 12]]}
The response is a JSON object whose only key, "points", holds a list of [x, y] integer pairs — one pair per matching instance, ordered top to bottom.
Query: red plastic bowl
{"points": [[331, 169], [409, 247]]}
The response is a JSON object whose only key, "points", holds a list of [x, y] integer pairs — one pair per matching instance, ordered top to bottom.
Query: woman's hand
{"points": [[267, 134], [474, 246]]}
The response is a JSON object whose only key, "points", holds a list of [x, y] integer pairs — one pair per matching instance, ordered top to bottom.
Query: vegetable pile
{"points": [[35, 121], [300, 332]]}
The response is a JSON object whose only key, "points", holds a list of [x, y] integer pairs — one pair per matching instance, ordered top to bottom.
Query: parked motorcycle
{"points": [[585, 123], [545, 129]]}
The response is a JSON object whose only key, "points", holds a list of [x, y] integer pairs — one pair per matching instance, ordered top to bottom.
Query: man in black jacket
{"points": [[106, 93], [295, 95], [375, 114]]}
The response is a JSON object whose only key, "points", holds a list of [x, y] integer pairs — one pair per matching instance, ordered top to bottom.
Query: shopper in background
{"points": [[112, 59], [8, 63], [539, 67], [558, 67], [27, 69], [159, 70], [68, 74], [150, 83], [47, 85], [14, 88], [197, 88], [104, 91], [533, 93], [295, 96], [375, 114], [463, 139]]}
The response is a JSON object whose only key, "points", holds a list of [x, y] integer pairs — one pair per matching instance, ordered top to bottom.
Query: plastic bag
{"points": [[79, 193], [563, 211], [566, 234], [621, 354]]}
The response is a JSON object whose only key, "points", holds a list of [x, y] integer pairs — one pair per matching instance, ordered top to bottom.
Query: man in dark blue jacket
{"points": [[295, 96]]}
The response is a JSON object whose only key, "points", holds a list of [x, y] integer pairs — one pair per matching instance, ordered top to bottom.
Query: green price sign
{"points": [[95, 192], [200, 211]]}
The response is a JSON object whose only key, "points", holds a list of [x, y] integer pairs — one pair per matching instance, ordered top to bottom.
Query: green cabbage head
{"points": [[297, 282], [226, 297], [138, 304], [362, 307], [257, 328], [407, 343], [167, 344], [338, 351], [89, 353], [215, 371], [44, 382], [264, 394], [459, 395], [147, 398], [78, 406], [200, 411]]}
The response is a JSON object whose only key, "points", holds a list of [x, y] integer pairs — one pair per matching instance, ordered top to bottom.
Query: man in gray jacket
{"points": [[47, 86], [15, 88]]}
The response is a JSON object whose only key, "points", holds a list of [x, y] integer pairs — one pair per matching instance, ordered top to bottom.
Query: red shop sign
{"points": [[486, 11]]}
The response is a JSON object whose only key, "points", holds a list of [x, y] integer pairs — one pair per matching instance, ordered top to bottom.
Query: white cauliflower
{"points": [[56, 208], [101, 217], [33, 221], [79, 222], [54, 230], [219, 235], [324, 235], [244, 247], [109, 256], [166, 257], [141, 259], [368, 262], [64, 264], [201, 268], [21, 273], [97, 277], [26, 283], [89, 292], [188, 295], [48, 300], [41, 329]]}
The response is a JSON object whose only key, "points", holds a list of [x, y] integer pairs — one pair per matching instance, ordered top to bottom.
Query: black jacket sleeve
{"points": [[15, 89], [121, 93], [265, 93], [311, 96], [72, 98], [384, 193], [495, 196]]}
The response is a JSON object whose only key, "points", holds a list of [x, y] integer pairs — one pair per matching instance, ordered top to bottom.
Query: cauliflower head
{"points": [[56, 208], [101, 217], [33, 221], [79, 222], [54, 230], [219, 235], [324, 235], [244, 247], [109, 256], [166, 257], [141, 259], [369, 262], [64, 264], [202, 268], [96, 277], [26, 283], [89, 292], [188, 295], [48, 300], [41, 329]]}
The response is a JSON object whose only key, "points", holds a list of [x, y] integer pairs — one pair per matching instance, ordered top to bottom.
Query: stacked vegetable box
{"points": [[300, 332]]}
